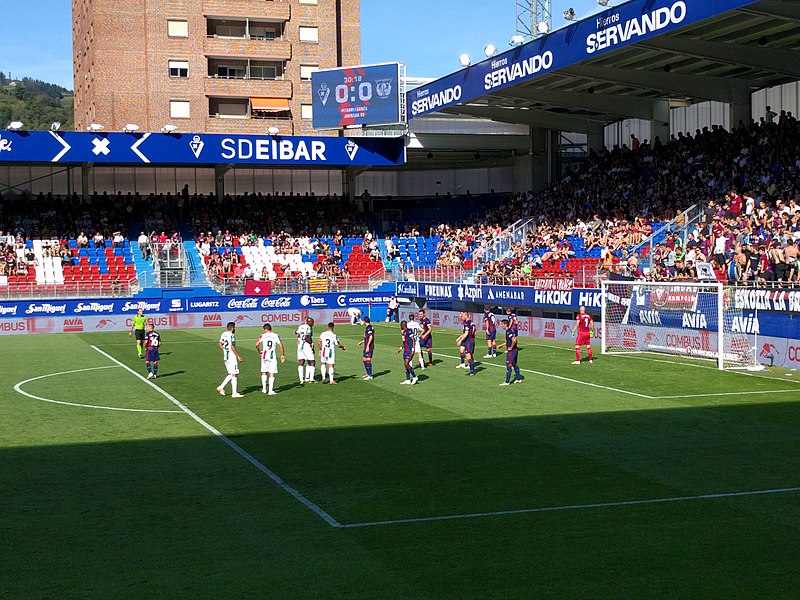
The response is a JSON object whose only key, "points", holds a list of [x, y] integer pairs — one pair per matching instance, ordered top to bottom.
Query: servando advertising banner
{"points": [[605, 31]]}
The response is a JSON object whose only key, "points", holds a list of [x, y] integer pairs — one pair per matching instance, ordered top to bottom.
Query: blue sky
{"points": [[428, 35]]}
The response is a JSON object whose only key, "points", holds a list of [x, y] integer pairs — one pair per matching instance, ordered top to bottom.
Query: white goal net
{"points": [[694, 320]]}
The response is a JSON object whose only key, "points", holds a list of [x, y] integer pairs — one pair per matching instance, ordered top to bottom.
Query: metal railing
{"points": [[680, 223], [503, 244], [170, 264], [434, 274], [289, 285], [71, 289]]}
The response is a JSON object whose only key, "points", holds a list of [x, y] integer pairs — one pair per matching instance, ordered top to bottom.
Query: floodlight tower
{"points": [[534, 18]]}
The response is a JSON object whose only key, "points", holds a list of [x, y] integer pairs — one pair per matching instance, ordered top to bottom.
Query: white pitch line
{"points": [[681, 363], [578, 381], [18, 389], [795, 391], [315, 508], [546, 509]]}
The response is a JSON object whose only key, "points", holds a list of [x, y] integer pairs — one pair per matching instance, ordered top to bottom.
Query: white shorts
{"points": [[417, 349], [305, 353], [328, 360], [269, 366], [232, 367]]}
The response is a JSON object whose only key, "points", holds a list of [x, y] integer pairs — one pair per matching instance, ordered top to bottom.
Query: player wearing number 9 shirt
{"points": [[584, 325], [267, 345]]}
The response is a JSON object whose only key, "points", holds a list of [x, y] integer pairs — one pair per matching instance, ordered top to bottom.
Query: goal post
{"points": [[690, 319]]}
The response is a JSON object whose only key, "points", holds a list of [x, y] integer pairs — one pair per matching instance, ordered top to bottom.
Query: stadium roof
{"points": [[722, 58]]}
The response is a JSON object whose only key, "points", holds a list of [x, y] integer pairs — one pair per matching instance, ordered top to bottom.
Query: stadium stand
{"points": [[620, 210]]}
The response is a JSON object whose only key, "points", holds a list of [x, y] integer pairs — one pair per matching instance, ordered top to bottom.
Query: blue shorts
{"points": [[491, 335], [426, 342], [469, 347], [367, 353], [151, 355], [408, 356], [511, 358]]}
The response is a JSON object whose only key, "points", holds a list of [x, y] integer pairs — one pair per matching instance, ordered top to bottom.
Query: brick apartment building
{"points": [[232, 66]]}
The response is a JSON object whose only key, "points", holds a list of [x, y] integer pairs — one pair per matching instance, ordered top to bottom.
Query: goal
{"points": [[695, 320]]}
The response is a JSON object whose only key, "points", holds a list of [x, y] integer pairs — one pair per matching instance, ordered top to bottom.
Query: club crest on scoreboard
{"points": [[383, 87], [324, 93]]}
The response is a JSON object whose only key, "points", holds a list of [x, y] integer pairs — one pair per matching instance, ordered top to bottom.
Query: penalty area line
{"points": [[578, 381], [315, 508], [548, 509]]}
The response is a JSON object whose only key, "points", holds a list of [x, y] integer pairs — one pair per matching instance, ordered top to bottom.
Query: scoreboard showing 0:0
{"points": [[346, 92], [365, 95]]}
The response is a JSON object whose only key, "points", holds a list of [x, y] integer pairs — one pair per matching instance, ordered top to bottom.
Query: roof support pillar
{"points": [[741, 108], [660, 125], [596, 137]]}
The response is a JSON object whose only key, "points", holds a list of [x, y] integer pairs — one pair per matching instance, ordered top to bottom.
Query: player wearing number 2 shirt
{"points": [[584, 325]]}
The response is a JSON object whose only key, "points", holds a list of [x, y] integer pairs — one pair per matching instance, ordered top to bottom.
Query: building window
{"points": [[177, 28], [309, 34], [179, 68], [307, 70], [179, 109], [306, 111]]}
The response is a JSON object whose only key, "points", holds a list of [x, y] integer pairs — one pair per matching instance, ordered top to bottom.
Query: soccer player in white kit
{"points": [[355, 315], [416, 329], [328, 342], [227, 343], [267, 345], [305, 351]]}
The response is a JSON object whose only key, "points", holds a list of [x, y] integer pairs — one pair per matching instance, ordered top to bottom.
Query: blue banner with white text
{"points": [[605, 31], [197, 149], [126, 306]]}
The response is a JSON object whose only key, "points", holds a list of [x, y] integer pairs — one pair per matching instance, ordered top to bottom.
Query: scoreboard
{"points": [[357, 96]]}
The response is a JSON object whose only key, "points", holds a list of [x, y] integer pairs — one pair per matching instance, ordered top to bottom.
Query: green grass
{"points": [[111, 504]]}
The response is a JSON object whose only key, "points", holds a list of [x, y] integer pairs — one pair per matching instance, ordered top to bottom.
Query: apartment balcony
{"points": [[267, 10], [248, 48], [266, 88], [248, 125]]}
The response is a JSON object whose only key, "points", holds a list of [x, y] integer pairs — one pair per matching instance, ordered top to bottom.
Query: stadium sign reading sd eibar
{"points": [[603, 32], [197, 149]]}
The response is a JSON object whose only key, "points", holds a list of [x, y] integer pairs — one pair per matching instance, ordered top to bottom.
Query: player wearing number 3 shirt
{"points": [[584, 325], [328, 343]]}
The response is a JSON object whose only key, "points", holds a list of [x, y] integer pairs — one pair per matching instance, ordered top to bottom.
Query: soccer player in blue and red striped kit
{"points": [[490, 327], [426, 336], [466, 341], [152, 344], [369, 347], [512, 353], [408, 354]]}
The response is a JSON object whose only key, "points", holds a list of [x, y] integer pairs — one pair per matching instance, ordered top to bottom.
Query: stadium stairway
{"points": [[144, 268], [198, 279]]}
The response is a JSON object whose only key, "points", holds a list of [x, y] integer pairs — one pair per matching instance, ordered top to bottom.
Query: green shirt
{"points": [[139, 322]]}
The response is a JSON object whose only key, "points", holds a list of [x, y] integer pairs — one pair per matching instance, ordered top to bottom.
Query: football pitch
{"points": [[639, 476]]}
